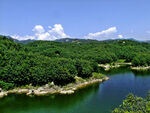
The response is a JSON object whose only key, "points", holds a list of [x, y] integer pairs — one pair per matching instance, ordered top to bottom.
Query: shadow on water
{"points": [[125, 69], [121, 70], [141, 73], [46, 104]]}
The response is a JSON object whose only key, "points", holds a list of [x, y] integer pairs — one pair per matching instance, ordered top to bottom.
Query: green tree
{"points": [[134, 104]]}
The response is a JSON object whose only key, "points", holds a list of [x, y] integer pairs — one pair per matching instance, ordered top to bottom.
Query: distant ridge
{"points": [[72, 40], [75, 40], [90, 40], [19, 41], [23, 41], [148, 41]]}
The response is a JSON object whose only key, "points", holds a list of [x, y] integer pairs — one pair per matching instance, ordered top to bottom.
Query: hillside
{"points": [[75, 40], [40, 62]]}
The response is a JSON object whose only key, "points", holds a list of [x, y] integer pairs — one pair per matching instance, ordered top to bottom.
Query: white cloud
{"points": [[38, 28], [56, 32], [105, 33], [42, 36], [120, 36], [23, 37]]}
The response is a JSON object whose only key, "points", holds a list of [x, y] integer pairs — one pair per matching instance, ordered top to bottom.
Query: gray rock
{"points": [[52, 84], [47, 86], [23, 91], [31, 92], [67, 92], [2, 94]]}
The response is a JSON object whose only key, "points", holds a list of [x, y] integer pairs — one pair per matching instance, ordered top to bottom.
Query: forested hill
{"points": [[71, 40], [18, 41], [98, 51], [40, 62]]}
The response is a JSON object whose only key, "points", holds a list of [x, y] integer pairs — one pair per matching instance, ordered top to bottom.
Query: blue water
{"points": [[98, 98]]}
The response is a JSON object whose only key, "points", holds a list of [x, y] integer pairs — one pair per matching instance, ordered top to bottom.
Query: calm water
{"points": [[98, 98]]}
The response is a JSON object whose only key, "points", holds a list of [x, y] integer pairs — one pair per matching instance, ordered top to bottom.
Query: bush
{"points": [[97, 75], [6, 86], [134, 104]]}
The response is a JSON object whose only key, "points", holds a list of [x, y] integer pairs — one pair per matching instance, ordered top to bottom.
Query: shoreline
{"points": [[107, 67], [140, 68], [70, 88], [54, 89]]}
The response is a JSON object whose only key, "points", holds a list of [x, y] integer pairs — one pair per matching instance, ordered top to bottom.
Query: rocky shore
{"points": [[107, 67], [140, 68], [51, 88]]}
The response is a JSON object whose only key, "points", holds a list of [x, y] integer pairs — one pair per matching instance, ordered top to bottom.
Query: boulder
{"points": [[52, 84], [47, 86], [20, 91], [31, 92], [67, 92], [2, 94]]}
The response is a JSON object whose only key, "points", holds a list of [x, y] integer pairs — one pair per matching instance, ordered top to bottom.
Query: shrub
{"points": [[97, 75], [6, 86], [134, 104]]}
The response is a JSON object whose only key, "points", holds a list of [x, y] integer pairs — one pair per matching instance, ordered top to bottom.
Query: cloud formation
{"points": [[38, 29], [57, 32], [53, 33], [102, 34], [120, 36], [23, 37]]}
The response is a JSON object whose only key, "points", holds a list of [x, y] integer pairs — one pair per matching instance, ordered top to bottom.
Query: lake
{"points": [[97, 98]]}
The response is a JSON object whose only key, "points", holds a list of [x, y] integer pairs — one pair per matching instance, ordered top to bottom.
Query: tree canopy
{"points": [[40, 62], [134, 104]]}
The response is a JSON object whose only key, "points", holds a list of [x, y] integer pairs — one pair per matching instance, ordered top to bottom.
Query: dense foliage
{"points": [[99, 52], [142, 59], [40, 62], [134, 104]]}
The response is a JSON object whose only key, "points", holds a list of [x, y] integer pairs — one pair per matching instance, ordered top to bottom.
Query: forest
{"points": [[41, 62]]}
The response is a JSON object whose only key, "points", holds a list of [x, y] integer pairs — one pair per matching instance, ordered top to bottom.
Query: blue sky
{"points": [[90, 19]]}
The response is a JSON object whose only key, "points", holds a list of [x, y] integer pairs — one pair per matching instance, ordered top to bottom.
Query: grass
{"points": [[120, 60], [97, 75], [94, 76], [79, 79]]}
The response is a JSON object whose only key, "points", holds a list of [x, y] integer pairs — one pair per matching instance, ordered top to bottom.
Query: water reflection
{"points": [[125, 69], [113, 71], [141, 73], [98, 98], [52, 103]]}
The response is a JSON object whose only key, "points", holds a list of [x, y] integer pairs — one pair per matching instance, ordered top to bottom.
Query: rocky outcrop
{"points": [[107, 67], [140, 68], [51, 88], [67, 92], [3, 93]]}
